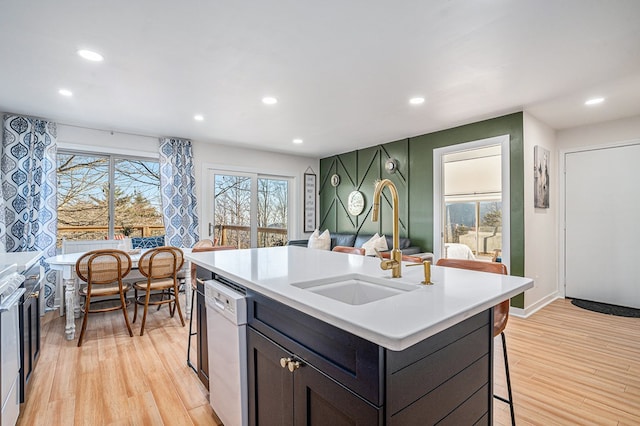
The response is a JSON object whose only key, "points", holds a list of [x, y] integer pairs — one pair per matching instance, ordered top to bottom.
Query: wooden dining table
{"points": [[66, 264]]}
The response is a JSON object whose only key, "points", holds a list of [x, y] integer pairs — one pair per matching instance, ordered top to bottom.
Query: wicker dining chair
{"points": [[160, 268], [103, 271], [500, 315]]}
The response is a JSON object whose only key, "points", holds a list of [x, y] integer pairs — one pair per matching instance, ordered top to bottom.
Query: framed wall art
{"points": [[540, 177], [309, 202]]}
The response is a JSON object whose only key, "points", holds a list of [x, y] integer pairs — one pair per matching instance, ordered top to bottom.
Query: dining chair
{"points": [[349, 250], [160, 268], [103, 271], [194, 289], [500, 314]]}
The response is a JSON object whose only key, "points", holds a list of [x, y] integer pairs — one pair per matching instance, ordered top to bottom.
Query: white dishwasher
{"points": [[227, 340]]}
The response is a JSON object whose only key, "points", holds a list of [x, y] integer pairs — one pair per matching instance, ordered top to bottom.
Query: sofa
{"points": [[357, 240]]}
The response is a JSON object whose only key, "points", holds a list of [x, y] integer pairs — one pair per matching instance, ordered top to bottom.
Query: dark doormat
{"points": [[605, 308]]}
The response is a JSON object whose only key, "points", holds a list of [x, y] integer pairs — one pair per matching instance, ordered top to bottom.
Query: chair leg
{"points": [[123, 301], [177, 303], [135, 304], [146, 308], [84, 319], [191, 333], [508, 376]]}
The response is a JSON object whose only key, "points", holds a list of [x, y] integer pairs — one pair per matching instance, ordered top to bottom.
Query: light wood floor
{"points": [[568, 367], [114, 379]]}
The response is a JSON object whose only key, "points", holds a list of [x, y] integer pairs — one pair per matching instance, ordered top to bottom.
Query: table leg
{"points": [[187, 288], [70, 304]]}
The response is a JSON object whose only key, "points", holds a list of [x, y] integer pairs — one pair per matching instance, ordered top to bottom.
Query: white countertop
{"points": [[22, 259], [396, 322]]}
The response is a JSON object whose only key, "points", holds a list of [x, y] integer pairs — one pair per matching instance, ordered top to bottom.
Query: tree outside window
{"points": [[97, 201]]}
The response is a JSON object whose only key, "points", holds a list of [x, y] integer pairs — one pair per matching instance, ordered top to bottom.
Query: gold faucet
{"points": [[395, 262]]}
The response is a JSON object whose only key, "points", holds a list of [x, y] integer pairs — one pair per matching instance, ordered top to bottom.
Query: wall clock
{"points": [[355, 203]]}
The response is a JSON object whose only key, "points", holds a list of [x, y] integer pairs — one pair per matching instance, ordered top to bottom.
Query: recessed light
{"points": [[90, 55], [65, 92], [269, 100], [416, 101], [594, 101], [198, 117], [298, 141]]}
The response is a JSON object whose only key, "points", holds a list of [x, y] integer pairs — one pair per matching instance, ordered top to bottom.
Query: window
{"points": [[102, 196], [471, 200], [250, 210], [476, 224]]}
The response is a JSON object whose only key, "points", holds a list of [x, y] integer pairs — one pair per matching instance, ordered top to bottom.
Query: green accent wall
{"points": [[358, 170]]}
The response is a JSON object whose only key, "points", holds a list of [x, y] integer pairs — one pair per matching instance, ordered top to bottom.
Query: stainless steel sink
{"points": [[356, 289]]}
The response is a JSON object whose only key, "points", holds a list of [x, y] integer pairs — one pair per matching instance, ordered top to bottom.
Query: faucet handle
{"points": [[378, 254]]}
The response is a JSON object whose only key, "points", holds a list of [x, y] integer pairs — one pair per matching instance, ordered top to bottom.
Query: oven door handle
{"points": [[12, 300]]}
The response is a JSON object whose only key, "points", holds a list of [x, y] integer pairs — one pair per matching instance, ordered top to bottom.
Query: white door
{"points": [[602, 230]]}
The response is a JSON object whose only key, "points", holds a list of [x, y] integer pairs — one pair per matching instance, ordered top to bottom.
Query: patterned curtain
{"points": [[28, 176], [177, 185]]}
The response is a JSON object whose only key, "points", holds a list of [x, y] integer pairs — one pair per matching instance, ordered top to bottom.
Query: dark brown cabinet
{"points": [[29, 319], [344, 379], [297, 393]]}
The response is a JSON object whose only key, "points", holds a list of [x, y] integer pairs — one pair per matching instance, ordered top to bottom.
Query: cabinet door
{"points": [[30, 327], [270, 385], [318, 400]]}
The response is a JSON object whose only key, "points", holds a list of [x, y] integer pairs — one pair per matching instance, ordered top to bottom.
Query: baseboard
{"points": [[530, 310]]}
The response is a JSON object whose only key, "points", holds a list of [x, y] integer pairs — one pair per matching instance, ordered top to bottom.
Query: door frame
{"points": [[208, 170], [438, 201], [562, 225]]}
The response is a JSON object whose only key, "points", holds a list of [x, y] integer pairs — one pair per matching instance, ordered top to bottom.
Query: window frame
{"points": [[111, 155], [210, 170]]}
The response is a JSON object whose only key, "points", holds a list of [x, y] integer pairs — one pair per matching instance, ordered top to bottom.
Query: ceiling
{"points": [[342, 71]]}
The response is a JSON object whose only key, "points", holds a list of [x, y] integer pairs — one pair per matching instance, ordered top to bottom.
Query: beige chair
{"points": [[81, 246], [349, 250], [160, 267], [103, 271], [500, 314]]}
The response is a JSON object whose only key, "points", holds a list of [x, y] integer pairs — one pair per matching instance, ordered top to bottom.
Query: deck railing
{"points": [[102, 232], [227, 234], [236, 235]]}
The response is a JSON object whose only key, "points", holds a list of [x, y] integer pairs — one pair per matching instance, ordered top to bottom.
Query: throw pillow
{"points": [[320, 241], [375, 242]]}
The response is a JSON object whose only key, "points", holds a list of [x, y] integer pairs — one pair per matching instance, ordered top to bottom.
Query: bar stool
{"points": [[194, 280], [500, 315]]}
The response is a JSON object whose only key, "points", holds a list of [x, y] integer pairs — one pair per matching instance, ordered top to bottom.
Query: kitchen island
{"points": [[398, 353]]}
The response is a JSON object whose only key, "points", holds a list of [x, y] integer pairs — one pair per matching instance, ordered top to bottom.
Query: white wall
{"points": [[599, 134], [81, 138], [206, 155], [209, 156], [541, 230]]}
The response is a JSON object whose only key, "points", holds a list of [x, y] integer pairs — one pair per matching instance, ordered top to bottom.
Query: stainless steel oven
{"points": [[10, 294]]}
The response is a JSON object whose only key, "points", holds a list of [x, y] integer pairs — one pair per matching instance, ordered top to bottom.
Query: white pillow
{"points": [[320, 241], [375, 242]]}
